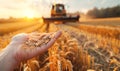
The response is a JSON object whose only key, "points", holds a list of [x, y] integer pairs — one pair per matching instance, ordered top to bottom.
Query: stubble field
{"points": [[91, 45]]}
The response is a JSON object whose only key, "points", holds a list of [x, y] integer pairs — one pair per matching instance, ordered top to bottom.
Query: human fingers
{"points": [[51, 42], [38, 50]]}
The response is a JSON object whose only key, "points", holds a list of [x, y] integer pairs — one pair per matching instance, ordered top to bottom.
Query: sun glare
{"points": [[29, 13]]}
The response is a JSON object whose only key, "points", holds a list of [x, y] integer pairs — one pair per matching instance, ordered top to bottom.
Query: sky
{"points": [[38, 8]]}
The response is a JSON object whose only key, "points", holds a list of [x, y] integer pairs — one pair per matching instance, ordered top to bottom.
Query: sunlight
{"points": [[84, 10], [29, 13]]}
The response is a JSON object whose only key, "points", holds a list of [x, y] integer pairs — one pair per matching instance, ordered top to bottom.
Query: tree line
{"points": [[104, 12]]}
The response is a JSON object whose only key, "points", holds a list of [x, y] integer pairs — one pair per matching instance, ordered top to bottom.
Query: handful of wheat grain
{"points": [[38, 40]]}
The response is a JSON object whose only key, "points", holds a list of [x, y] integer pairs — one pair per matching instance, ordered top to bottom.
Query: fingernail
{"points": [[59, 32]]}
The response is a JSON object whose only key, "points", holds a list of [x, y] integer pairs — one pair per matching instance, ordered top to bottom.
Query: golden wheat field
{"points": [[82, 47]]}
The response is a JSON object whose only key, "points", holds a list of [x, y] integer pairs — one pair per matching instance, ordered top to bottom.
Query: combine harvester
{"points": [[58, 14]]}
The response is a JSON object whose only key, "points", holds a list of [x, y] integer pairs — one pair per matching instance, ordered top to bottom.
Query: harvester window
{"points": [[59, 9]]}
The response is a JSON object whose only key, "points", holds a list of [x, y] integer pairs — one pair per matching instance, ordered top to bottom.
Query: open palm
{"points": [[14, 53], [27, 53]]}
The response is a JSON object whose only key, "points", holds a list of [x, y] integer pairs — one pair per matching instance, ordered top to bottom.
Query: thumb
{"points": [[20, 38]]}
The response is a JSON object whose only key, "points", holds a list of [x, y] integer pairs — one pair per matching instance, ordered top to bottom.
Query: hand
{"points": [[14, 53]]}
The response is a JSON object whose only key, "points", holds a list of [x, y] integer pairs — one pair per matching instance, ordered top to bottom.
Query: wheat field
{"points": [[80, 48]]}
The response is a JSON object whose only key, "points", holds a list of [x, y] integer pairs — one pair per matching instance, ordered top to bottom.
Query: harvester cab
{"points": [[58, 10], [58, 14]]}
